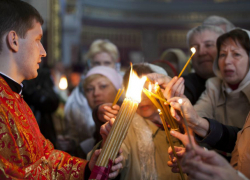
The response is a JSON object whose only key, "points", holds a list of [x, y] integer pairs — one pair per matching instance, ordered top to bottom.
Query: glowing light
{"points": [[193, 50], [63, 83], [135, 86], [155, 86], [150, 87], [180, 101]]}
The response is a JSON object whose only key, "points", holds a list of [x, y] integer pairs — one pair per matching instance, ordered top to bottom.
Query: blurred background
{"points": [[142, 29]]}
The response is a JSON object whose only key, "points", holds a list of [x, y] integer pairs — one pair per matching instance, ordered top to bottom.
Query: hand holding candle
{"points": [[117, 97], [185, 123], [120, 127], [170, 141]]}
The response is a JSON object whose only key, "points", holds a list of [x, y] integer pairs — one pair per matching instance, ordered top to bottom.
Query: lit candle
{"points": [[193, 52], [156, 96], [152, 99], [166, 110], [185, 123], [120, 127], [170, 142]]}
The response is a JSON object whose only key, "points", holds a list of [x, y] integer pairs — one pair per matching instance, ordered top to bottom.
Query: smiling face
{"points": [[205, 45], [30, 52], [103, 59], [233, 62], [100, 90]]}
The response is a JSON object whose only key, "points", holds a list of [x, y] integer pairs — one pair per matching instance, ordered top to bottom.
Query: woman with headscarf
{"points": [[100, 86], [145, 145]]}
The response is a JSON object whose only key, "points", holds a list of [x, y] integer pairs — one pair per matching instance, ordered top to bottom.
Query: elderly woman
{"points": [[101, 53], [100, 86], [227, 95], [218, 135]]}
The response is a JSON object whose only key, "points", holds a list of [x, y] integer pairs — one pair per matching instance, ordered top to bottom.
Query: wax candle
{"points": [[183, 69], [119, 128], [171, 142]]}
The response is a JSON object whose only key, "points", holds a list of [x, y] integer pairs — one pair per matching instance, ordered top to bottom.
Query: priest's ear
{"points": [[12, 40]]}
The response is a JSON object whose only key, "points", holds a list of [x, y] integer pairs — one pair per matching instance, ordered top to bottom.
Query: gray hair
{"points": [[217, 21], [202, 28]]}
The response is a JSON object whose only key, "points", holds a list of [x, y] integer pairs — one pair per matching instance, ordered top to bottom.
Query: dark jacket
{"points": [[194, 86], [43, 100], [220, 136]]}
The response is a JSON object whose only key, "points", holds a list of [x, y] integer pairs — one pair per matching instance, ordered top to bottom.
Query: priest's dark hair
{"points": [[18, 16]]}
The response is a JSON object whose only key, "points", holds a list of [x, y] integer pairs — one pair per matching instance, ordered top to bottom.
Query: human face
{"points": [[205, 45], [30, 52], [103, 59], [233, 62], [100, 91], [146, 108]]}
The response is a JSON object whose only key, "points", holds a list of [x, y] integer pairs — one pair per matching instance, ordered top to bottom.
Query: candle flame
{"points": [[193, 50], [63, 83], [156, 84], [135, 86], [150, 87], [180, 101], [159, 110]]}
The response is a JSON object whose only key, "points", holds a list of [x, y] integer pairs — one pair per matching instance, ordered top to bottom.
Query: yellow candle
{"points": [[193, 52], [117, 94], [156, 96], [117, 97], [152, 99], [122, 122], [173, 124], [171, 143]]}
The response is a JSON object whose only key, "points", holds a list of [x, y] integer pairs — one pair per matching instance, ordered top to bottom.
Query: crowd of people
{"points": [[216, 103]]}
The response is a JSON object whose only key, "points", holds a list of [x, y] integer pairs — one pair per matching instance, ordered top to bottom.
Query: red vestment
{"points": [[24, 152]]}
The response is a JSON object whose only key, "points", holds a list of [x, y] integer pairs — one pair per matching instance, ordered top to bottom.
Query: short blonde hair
{"points": [[103, 45]]}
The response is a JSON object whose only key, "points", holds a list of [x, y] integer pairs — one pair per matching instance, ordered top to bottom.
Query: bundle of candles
{"points": [[160, 105], [164, 111], [166, 118], [119, 128]]}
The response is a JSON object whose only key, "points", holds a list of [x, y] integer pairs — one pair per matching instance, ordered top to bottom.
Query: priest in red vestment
{"points": [[24, 152]]}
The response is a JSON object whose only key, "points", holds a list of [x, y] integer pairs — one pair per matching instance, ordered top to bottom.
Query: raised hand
{"points": [[171, 86], [174, 88], [106, 112], [199, 125], [105, 129], [180, 151], [207, 165]]}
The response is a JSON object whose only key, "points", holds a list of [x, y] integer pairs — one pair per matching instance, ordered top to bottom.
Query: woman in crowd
{"points": [[102, 52], [100, 86], [227, 96], [212, 132], [145, 146]]}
